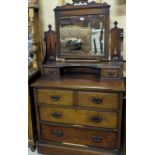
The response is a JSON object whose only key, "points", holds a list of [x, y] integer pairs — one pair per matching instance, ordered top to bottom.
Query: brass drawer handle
{"points": [[111, 73], [55, 98], [97, 100], [56, 114], [96, 119], [57, 133], [97, 139]]}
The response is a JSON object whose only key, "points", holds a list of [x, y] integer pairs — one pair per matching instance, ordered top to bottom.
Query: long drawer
{"points": [[59, 97], [98, 100], [78, 116], [81, 136]]}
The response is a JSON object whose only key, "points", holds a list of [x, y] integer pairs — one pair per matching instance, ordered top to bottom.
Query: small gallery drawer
{"points": [[52, 73], [110, 73], [55, 97], [98, 100], [80, 117], [78, 135]]}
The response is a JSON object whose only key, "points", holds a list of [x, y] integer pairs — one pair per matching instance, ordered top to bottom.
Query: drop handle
{"points": [[111, 73], [55, 98], [97, 100], [56, 115], [96, 119], [57, 133], [97, 139]]}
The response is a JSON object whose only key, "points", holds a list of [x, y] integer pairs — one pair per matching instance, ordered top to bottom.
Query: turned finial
{"points": [[115, 23], [50, 27]]}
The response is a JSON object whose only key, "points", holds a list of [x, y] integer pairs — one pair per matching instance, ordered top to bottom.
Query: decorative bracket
{"points": [[116, 43]]}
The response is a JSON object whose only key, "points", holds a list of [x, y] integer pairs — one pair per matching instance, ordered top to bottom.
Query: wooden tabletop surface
{"points": [[82, 84]]}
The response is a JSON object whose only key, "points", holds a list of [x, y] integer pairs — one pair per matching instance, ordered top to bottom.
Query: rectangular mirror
{"points": [[83, 31], [82, 35]]}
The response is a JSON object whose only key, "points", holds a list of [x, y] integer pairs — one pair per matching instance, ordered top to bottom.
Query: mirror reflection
{"points": [[82, 35]]}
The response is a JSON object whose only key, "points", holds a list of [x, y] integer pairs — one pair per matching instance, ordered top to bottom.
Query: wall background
{"points": [[117, 12]]}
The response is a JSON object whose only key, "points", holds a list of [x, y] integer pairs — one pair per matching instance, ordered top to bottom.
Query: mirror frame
{"points": [[92, 8]]}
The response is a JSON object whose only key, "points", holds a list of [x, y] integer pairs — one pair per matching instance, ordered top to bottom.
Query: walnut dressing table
{"points": [[79, 96]]}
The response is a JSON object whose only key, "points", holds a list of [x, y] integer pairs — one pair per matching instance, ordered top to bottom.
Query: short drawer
{"points": [[52, 73], [110, 73], [55, 97], [98, 100], [80, 117], [77, 135]]}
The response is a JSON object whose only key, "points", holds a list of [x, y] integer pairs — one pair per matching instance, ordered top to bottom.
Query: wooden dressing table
{"points": [[78, 98]]}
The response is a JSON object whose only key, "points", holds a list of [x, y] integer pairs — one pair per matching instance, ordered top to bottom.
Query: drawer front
{"points": [[110, 73], [55, 97], [98, 100], [80, 117], [81, 136]]}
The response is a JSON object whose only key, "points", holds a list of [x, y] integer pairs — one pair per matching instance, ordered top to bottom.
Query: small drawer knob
{"points": [[55, 98], [97, 100], [56, 115], [96, 119], [57, 133], [97, 139]]}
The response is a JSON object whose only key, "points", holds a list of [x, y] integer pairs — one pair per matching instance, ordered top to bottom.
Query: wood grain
{"points": [[52, 73], [110, 73], [82, 84], [45, 96], [107, 100], [79, 105], [81, 117], [32, 129], [79, 136], [63, 150]]}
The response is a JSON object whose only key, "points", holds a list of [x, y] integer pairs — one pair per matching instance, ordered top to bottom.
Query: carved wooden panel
{"points": [[52, 73]]}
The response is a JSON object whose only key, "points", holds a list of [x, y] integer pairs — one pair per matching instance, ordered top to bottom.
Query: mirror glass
{"points": [[82, 35]]}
